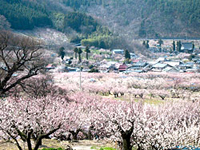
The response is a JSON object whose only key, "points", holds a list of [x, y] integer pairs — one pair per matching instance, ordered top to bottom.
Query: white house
{"points": [[118, 51]]}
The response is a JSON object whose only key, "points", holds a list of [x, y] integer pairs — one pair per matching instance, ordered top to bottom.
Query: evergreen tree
{"points": [[160, 42], [144, 43], [147, 44], [174, 46], [178, 46], [193, 46], [87, 50], [75, 52], [62, 53], [79, 54], [127, 54]]}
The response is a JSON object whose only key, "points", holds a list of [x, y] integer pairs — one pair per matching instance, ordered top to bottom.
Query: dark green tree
{"points": [[160, 42], [144, 43], [147, 44], [174, 45], [178, 46], [193, 46], [87, 50], [75, 52], [62, 53], [79, 54], [127, 54]]}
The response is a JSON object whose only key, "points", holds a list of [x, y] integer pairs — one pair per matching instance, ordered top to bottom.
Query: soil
{"points": [[48, 143]]}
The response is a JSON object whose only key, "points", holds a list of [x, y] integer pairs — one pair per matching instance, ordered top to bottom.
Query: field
{"points": [[135, 110], [79, 145]]}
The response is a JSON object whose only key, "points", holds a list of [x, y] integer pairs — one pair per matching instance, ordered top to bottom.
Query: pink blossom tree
{"points": [[36, 119]]}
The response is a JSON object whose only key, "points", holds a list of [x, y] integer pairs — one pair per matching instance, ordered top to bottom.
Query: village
{"points": [[176, 57]]}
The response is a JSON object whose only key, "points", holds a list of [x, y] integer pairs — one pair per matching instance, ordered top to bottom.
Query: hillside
{"points": [[145, 18], [96, 19]]}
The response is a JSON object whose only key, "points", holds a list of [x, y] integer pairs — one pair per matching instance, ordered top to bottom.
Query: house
{"points": [[187, 47], [118, 51], [133, 55], [161, 59], [135, 60], [173, 63], [138, 66], [185, 66], [49, 67], [103, 67], [159, 67], [122, 68], [171, 69]]}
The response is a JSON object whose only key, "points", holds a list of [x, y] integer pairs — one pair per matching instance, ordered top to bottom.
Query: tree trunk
{"points": [[76, 55], [87, 56], [79, 58], [75, 134], [89, 135], [126, 143], [37, 144]]}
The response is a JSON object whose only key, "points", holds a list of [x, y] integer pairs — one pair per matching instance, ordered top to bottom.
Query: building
{"points": [[187, 47], [118, 51], [159, 67], [122, 68]]}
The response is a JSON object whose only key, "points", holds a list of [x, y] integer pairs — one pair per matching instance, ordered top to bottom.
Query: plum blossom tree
{"points": [[27, 119], [120, 121], [149, 127]]}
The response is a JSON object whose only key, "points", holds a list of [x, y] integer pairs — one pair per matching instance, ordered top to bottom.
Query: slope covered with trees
{"points": [[24, 15], [130, 18], [141, 18]]}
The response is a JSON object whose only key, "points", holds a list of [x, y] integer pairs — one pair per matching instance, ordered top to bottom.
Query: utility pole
{"points": [[80, 80]]}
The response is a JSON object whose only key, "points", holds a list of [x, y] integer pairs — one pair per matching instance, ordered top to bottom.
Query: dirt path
{"points": [[81, 147]]}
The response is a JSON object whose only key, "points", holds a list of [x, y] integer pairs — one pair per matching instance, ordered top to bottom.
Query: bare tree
{"points": [[20, 59]]}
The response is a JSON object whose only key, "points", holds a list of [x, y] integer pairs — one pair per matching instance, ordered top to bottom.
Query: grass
{"points": [[148, 100], [103, 148], [107, 148], [52, 149]]}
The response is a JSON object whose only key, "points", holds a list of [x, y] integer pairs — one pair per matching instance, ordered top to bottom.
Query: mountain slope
{"points": [[129, 18], [145, 18]]}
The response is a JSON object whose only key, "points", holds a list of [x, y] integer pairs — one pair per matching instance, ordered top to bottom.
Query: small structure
{"points": [[187, 47], [118, 51], [133, 55], [138, 66], [185, 66], [49, 67], [103, 67], [159, 67], [122, 68], [171, 69]]}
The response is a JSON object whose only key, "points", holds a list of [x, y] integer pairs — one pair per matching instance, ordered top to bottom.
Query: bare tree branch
{"points": [[19, 56]]}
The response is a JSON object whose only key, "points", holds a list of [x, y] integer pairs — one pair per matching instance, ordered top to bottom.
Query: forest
{"points": [[155, 16]]}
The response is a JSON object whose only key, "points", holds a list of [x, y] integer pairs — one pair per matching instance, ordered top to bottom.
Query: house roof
{"points": [[187, 46], [118, 50], [136, 60], [172, 63], [140, 64], [188, 64], [159, 65], [50, 66], [123, 67], [168, 69]]}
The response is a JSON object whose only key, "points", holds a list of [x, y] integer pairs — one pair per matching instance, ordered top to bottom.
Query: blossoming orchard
{"points": [[146, 111]]}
